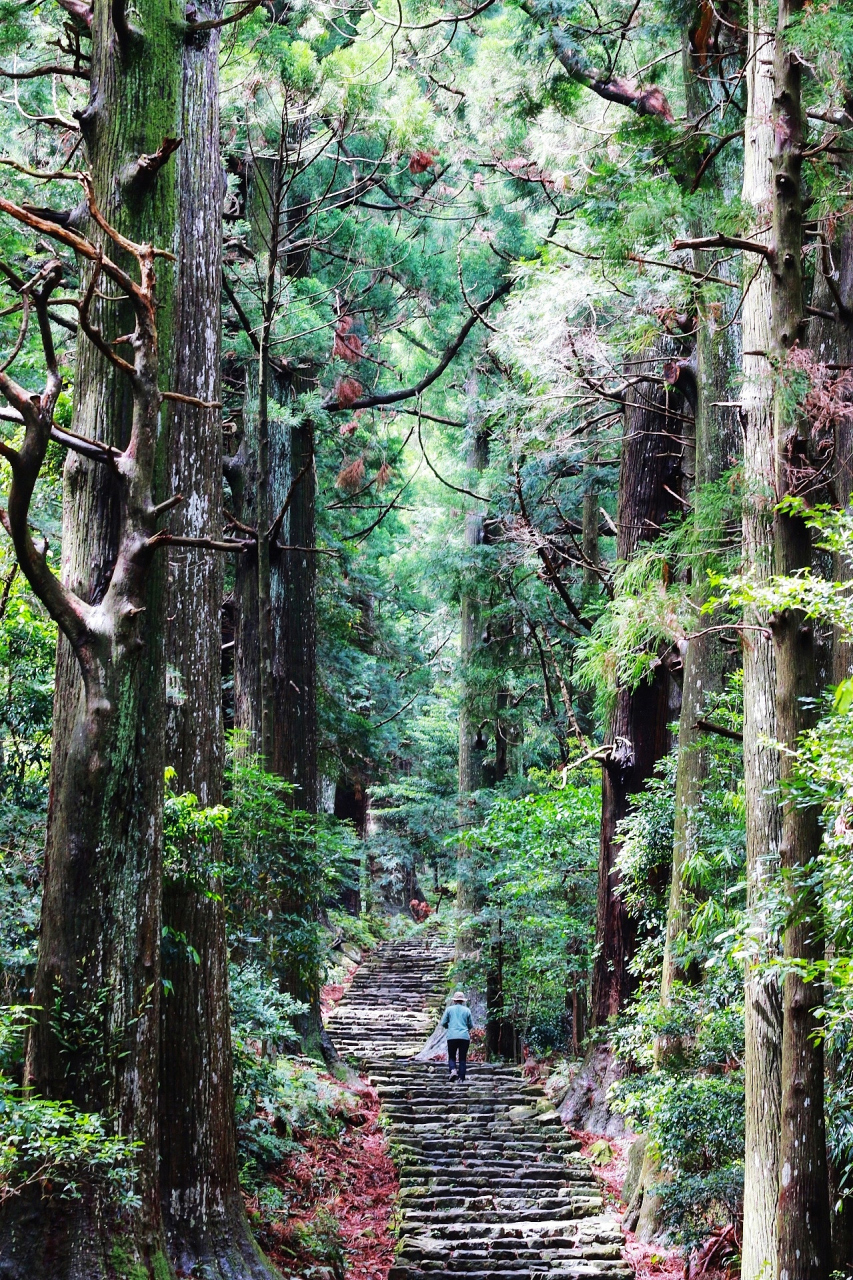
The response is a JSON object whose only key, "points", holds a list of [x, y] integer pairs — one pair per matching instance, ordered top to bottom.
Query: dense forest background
{"points": [[425, 461]]}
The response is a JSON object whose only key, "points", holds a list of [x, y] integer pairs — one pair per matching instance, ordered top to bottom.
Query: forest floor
{"points": [[336, 1193], [340, 1193], [649, 1261]]}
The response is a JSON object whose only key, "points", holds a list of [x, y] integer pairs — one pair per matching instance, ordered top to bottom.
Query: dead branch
{"points": [[78, 10], [213, 24], [49, 70], [140, 175], [719, 241], [182, 399], [36, 411], [94, 450], [275, 527], [164, 539], [710, 727]]}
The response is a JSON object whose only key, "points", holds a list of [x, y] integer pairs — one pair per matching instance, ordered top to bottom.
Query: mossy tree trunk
{"points": [[716, 444], [638, 736], [97, 984], [803, 1220], [207, 1232]]}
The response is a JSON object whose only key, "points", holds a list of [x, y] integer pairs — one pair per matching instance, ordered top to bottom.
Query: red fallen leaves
{"points": [[420, 161], [333, 992], [477, 1047], [352, 1179], [648, 1261]]}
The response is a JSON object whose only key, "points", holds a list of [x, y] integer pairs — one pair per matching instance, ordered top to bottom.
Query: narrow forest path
{"points": [[490, 1185]]}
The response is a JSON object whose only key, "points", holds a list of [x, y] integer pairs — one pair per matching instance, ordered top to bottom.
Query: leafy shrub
{"points": [[532, 863], [696, 1128], [53, 1145], [696, 1204]]}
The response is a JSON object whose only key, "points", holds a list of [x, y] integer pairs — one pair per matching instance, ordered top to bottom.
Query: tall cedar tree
{"points": [[95, 1040]]}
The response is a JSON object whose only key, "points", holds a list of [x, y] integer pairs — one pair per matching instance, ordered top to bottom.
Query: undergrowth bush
{"points": [[52, 1145]]}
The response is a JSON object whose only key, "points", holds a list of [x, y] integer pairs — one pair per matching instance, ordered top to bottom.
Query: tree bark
{"points": [[831, 341], [716, 443], [294, 616], [638, 729], [472, 744], [98, 972], [762, 1016], [803, 1220], [207, 1231]]}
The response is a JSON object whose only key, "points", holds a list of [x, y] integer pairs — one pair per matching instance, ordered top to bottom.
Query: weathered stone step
{"points": [[490, 1186]]}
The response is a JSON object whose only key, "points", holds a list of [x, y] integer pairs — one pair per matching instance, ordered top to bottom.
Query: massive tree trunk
{"points": [[831, 342], [716, 443], [273, 479], [294, 570], [294, 616], [638, 736], [472, 745], [98, 971], [763, 1012], [803, 1222], [207, 1231]]}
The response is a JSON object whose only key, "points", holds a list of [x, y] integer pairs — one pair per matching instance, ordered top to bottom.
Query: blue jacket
{"points": [[458, 1022]]}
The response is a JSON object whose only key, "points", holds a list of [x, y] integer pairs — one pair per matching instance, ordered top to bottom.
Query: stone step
{"points": [[490, 1186]]}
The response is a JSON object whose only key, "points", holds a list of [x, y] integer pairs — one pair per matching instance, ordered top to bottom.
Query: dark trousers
{"points": [[455, 1047]]}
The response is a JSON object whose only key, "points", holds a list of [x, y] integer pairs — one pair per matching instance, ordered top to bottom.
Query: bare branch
{"points": [[79, 10], [213, 24], [49, 70], [646, 102], [140, 175], [719, 241], [182, 399], [95, 450], [170, 503], [275, 527], [164, 539], [67, 610], [710, 727]]}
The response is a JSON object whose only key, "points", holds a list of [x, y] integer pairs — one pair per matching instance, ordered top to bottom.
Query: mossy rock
{"points": [[635, 1168]]}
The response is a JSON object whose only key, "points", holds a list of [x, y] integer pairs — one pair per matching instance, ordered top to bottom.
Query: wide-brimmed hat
{"points": [[459, 998]]}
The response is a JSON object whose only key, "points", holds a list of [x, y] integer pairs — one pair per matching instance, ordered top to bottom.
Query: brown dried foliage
{"points": [[420, 161], [347, 345], [347, 391], [827, 407], [351, 478]]}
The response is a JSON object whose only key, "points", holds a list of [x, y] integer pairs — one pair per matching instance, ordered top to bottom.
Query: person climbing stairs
{"points": [[491, 1186]]}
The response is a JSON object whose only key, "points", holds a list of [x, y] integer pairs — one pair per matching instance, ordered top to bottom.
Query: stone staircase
{"points": [[392, 1003], [491, 1187]]}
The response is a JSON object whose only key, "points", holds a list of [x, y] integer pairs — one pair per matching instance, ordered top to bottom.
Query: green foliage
{"points": [[653, 608], [189, 831], [270, 850], [645, 857], [532, 867], [277, 1098], [696, 1127], [51, 1144]]}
